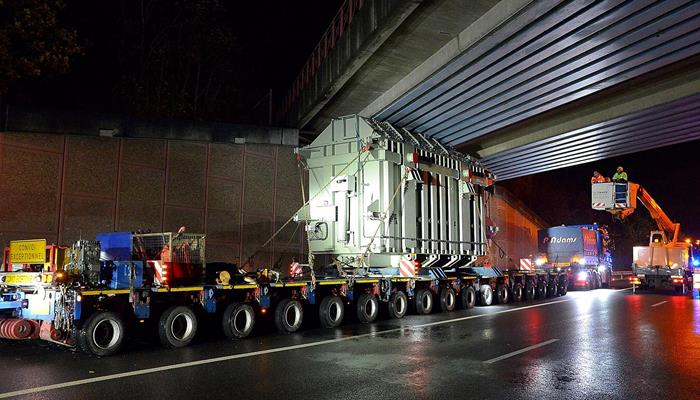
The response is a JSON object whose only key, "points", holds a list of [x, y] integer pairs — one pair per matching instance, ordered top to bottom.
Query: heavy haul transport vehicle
{"points": [[393, 220], [580, 250], [665, 262]]}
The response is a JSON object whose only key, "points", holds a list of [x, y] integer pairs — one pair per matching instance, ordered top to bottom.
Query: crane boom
{"points": [[670, 228]]}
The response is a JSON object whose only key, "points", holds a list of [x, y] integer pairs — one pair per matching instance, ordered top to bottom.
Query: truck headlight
{"points": [[540, 261], [582, 261], [601, 268], [582, 276]]}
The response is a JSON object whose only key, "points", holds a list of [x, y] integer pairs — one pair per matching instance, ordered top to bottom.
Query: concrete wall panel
{"points": [[40, 141], [259, 149], [144, 152], [226, 161], [92, 166], [287, 169], [187, 172], [259, 180], [30, 184], [129, 184], [224, 195], [140, 198], [288, 202], [85, 217], [191, 218], [224, 225], [256, 229], [517, 236], [222, 252]]}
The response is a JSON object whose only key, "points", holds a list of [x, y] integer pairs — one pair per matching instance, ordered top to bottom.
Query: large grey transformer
{"points": [[387, 201]]}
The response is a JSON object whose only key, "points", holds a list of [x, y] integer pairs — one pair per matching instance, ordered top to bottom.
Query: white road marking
{"points": [[659, 303], [521, 351], [258, 353]]}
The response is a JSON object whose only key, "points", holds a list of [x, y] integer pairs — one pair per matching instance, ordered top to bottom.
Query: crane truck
{"points": [[393, 219], [580, 250], [665, 262]]}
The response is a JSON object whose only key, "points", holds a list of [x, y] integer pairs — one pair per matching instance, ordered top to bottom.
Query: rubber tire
{"points": [[606, 285], [563, 288], [552, 289], [541, 290], [680, 290], [530, 292], [518, 293], [485, 295], [502, 295], [468, 297], [448, 299], [363, 302], [423, 302], [398, 305], [281, 312], [325, 312], [228, 321], [165, 324], [76, 333], [85, 337]]}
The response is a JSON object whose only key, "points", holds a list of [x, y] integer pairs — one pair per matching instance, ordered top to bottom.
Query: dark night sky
{"points": [[273, 39]]}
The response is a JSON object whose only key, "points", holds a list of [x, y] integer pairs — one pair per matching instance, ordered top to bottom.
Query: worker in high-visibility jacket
{"points": [[620, 175], [597, 177], [620, 178]]}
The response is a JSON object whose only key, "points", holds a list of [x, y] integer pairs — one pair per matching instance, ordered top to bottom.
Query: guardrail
{"points": [[327, 43]]}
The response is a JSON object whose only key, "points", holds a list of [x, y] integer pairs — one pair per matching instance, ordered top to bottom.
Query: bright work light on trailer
{"points": [[540, 261], [582, 261], [696, 262], [601, 267], [582, 276]]}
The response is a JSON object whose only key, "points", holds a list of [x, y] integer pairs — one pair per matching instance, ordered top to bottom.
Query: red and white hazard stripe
{"points": [[598, 205], [620, 205], [526, 264], [406, 267], [295, 269], [160, 272]]}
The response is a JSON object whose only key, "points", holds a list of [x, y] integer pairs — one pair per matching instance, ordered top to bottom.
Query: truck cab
{"points": [[580, 250], [663, 265]]}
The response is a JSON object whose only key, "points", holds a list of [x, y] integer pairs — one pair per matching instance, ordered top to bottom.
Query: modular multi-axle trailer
{"points": [[393, 220], [57, 307]]}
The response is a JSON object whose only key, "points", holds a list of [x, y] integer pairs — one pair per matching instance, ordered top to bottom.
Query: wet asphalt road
{"points": [[602, 344]]}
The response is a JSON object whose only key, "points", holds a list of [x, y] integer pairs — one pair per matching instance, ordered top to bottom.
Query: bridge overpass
{"points": [[527, 85]]}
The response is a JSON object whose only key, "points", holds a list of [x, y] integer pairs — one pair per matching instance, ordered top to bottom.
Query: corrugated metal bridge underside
{"points": [[550, 54], [668, 124]]}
